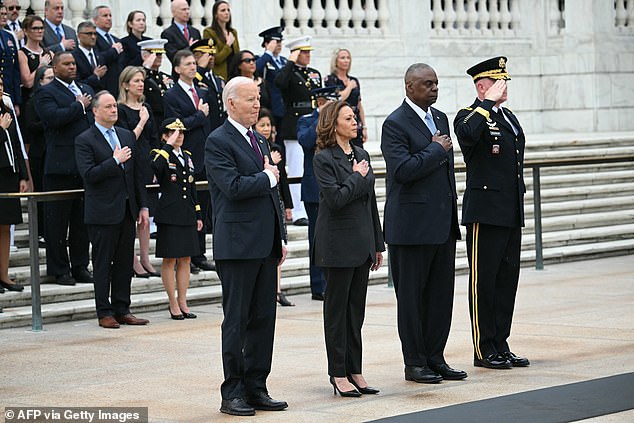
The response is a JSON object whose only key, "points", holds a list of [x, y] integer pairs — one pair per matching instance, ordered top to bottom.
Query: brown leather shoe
{"points": [[129, 319], [108, 322]]}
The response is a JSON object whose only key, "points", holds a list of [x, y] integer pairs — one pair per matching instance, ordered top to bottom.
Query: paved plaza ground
{"points": [[574, 321]]}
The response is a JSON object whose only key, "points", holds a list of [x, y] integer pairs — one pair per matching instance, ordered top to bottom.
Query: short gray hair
{"points": [[95, 11], [86, 24], [415, 68], [230, 90]]}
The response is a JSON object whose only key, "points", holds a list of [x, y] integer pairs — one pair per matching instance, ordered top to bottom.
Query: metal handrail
{"points": [[35, 197]]}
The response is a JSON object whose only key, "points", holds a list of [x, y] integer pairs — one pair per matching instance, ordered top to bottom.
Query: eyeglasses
{"points": [[14, 8], [37, 28], [90, 34], [248, 60]]}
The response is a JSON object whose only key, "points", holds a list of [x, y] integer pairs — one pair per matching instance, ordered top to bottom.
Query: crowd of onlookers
{"points": [[39, 51]]}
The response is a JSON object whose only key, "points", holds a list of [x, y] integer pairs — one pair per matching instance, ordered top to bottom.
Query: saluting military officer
{"points": [[204, 51], [295, 81], [156, 82], [492, 143], [178, 216]]}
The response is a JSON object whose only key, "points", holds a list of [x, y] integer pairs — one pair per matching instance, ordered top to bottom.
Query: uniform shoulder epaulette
{"points": [[199, 77], [467, 108], [479, 110], [187, 151], [160, 153]]}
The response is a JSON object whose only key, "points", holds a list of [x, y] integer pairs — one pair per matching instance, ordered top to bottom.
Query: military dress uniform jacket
{"points": [[9, 66], [266, 67], [156, 83], [295, 83], [213, 95], [307, 138], [494, 155], [178, 204]]}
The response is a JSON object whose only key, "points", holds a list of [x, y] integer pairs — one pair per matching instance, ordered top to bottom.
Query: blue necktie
{"points": [[59, 33], [74, 89], [429, 121], [112, 141]]}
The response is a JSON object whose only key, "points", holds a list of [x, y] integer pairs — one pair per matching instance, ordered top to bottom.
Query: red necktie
{"points": [[186, 33], [196, 100]]}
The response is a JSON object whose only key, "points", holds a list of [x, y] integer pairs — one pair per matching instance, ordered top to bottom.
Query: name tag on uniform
{"points": [[495, 149]]}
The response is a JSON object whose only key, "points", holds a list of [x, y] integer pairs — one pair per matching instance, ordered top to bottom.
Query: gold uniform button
{"points": [[517, 152], [518, 176], [484, 187], [184, 188], [184, 197]]}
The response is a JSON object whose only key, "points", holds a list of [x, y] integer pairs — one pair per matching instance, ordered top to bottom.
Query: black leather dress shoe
{"points": [[301, 222], [205, 265], [193, 269], [83, 276], [65, 280], [16, 287], [1, 290], [319, 296], [515, 360], [492, 361], [447, 372], [421, 374], [262, 401], [236, 407]]}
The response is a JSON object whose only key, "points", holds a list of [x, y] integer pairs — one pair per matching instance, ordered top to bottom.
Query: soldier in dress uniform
{"points": [[204, 51], [268, 65], [9, 66], [295, 81], [156, 82], [492, 143], [178, 216]]}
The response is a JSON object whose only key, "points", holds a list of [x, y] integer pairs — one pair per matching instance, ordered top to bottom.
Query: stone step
{"points": [[84, 308], [20, 316]]}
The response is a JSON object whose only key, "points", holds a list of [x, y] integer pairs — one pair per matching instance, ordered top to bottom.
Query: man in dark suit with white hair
{"points": [[248, 235]]}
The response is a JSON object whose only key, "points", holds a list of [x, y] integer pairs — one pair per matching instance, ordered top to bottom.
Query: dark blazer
{"points": [[176, 39], [52, 42], [131, 55], [111, 58], [9, 66], [267, 69], [85, 72], [295, 84], [154, 89], [213, 96], [177, 103], [64, 118], [307, 137], [18, 158], [495, 158], [421, 183], [108, 186], [178, 204], [248, 218], [348, 229]]}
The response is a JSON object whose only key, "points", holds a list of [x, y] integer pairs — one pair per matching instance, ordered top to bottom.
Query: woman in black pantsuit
{"points": [[13, 178], [178, 217], [348, 242]]}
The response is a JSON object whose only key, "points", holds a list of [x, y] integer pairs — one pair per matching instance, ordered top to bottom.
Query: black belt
{"points": [[302, 104]]}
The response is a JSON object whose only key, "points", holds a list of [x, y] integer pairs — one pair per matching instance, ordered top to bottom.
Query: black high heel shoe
{"points": [[149, 272], [141, 275], [15, 287], [284, 302], [187, 315], [176, 316], [366, 390], [353, 393]]}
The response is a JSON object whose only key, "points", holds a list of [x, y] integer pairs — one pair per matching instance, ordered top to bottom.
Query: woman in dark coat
{"points": [[136, 26], [137, 116], [13, 178], [178, 216], [348, 242]]}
